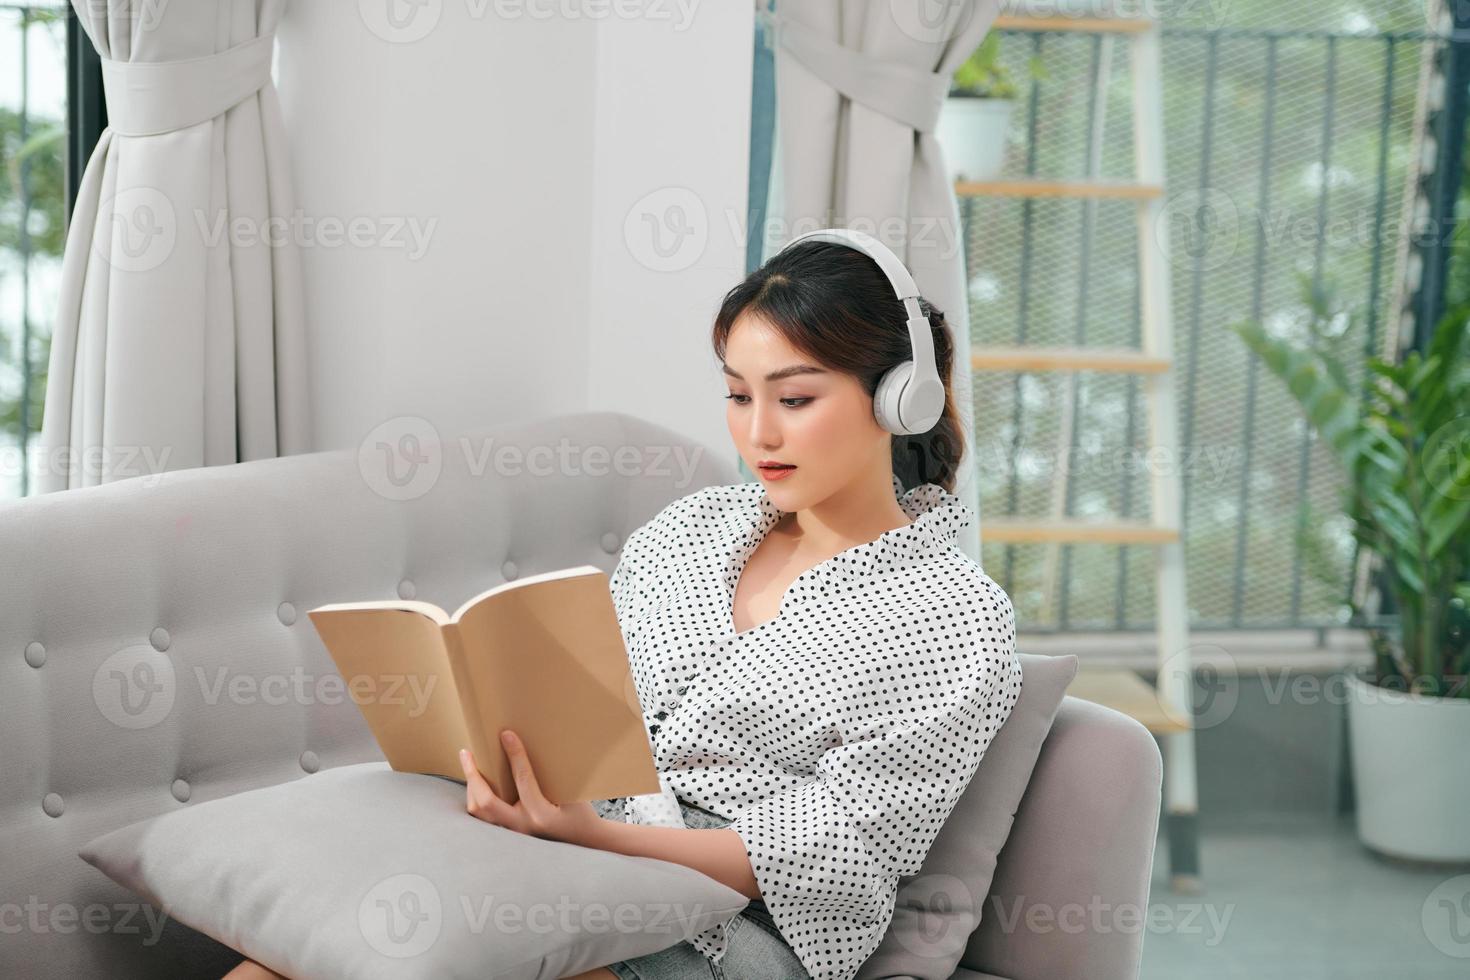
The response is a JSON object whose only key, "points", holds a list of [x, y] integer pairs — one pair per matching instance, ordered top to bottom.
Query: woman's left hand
{"points": [[533, 813]]}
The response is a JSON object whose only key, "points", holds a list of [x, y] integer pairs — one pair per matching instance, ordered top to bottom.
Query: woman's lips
{"points": [[776, 472]]}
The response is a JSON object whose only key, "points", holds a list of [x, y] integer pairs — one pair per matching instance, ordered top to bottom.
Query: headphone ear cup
{"points": [[886, 397]]}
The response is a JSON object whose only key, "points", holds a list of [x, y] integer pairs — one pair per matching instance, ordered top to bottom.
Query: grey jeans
{"points": [[754, 947]]}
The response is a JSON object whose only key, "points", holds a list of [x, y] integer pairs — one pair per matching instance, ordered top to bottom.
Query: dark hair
{"points": [[835, 305]]}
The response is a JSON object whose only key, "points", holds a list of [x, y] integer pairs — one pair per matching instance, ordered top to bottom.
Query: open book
{"points": [[542, 655]]}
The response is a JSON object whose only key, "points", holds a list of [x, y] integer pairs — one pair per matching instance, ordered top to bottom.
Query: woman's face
{"points": [[819, 420]]}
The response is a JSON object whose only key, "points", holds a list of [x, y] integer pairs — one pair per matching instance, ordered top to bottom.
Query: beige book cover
{"points": [[543, 656]]}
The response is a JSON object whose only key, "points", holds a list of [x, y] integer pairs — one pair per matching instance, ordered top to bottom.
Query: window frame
{"points": [[86, 105]]}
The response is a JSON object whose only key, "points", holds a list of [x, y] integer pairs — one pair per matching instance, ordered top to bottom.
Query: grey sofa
{"points": [[217, 566]]}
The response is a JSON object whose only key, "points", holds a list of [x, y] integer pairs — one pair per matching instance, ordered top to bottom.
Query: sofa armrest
{"points": [[1070, 894]]}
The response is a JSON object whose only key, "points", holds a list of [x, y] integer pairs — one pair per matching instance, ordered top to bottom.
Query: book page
{"points": [[522, 583], [422, 608], [548, 661], [396, 669]]}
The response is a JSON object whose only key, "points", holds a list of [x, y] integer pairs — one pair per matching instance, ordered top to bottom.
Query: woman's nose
{"points": [[764, 428]]}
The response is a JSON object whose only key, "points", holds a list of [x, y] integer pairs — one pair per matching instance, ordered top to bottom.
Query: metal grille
{"points": [[1288, 136]]}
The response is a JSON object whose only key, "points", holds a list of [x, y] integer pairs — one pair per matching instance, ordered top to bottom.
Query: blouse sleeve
{"points": [[638, 570], [623, 584], [662, 808], [828, 854]]}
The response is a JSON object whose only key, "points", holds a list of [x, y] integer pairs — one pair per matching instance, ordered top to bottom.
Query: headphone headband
{"points": [[892, 266], [910, 397]]}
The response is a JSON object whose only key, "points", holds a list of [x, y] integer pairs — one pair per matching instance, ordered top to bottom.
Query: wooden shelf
{"points": [[1073, 25], [1118, 190], [1121, 360], [1073, 530], [1125, 691]]}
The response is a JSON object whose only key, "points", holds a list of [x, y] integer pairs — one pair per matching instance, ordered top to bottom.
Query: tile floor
{"points": [[1299, 898]]}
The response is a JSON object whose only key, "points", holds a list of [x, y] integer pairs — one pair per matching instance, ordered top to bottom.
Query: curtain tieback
{"points": [[909, 95], [147, 98]]}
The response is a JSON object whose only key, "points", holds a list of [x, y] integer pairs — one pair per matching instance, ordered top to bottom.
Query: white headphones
{"points": [[910, 397]]}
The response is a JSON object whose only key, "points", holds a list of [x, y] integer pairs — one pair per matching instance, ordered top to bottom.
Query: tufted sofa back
{"points": [[155, 649]]}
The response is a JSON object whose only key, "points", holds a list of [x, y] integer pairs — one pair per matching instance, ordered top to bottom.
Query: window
{"points": [[50, 117], [1290, 131]]}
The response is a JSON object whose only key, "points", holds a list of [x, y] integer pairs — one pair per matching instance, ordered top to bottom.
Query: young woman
{"points": [[821, 668]]}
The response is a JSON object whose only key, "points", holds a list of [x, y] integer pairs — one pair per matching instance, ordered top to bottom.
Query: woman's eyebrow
{"points": [[779, 373]]}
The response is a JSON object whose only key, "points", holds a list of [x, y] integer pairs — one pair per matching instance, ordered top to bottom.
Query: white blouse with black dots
{"points": [[836, 736]]}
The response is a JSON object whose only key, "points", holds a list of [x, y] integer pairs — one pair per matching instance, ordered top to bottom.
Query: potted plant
{"points": [[973, 123], [1404, 442]]}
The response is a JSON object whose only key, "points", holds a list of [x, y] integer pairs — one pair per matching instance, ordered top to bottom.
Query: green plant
{"points": [[982, 76], [39, 156], [32, 225], [1405, 445]]}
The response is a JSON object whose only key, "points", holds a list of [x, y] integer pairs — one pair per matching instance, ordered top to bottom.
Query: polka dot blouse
{"points": [[837, 736]]}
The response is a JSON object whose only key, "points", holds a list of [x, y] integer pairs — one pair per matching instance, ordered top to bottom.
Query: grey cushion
{"points": [[360, 871], [938, 908]]}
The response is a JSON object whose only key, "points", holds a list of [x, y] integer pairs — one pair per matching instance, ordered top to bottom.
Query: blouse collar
{"points": [[937, 515]]}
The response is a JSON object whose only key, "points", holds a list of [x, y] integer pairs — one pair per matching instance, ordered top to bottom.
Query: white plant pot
{"points": [[973, 135], [1411, 771]]}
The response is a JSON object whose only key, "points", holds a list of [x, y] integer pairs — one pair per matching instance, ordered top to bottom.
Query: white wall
{"points": [[518, 145]]}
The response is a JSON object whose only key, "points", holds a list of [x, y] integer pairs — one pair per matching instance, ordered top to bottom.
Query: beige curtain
{"points": [[859, 87], [180, 335]]}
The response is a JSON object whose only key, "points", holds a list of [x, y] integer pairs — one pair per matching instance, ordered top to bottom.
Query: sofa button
{"points": [[610, 542], [509, 570], [406, 589], [286, 613], [159, 638], [35, 654], [309, 761], [180, 790], [52, 804]]}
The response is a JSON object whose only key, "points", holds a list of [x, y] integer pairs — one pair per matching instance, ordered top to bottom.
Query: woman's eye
{"points": [[742, 399]]}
